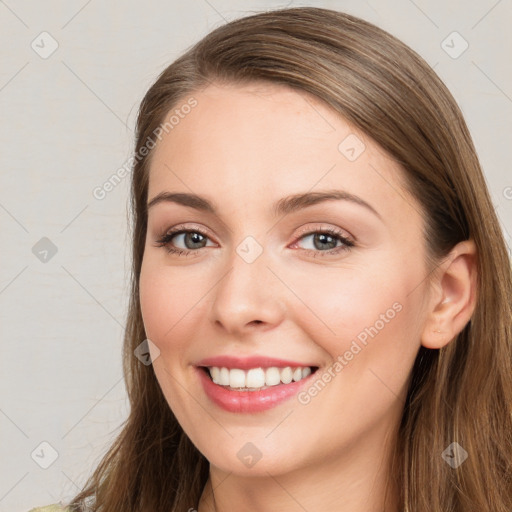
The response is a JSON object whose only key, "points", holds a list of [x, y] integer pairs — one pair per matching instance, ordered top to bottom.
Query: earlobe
{"points": [[454, 299]]}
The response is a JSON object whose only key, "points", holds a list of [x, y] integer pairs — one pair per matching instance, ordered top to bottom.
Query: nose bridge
{"points": [[249, 292]]}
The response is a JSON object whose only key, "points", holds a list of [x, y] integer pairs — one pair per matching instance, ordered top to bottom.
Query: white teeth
{"points": [[215, 373], [286, 375], [272, 376], [224, 377], [236, 378], [257, 378]]}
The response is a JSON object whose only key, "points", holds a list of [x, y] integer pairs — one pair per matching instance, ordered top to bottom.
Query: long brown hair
{"points": [[461, 393]]}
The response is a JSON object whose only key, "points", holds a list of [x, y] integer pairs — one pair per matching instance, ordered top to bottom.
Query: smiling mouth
{"points": [[256, 379]]}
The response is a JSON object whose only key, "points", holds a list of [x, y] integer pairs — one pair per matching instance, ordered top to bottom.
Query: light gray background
{"points": [[67, 125]]}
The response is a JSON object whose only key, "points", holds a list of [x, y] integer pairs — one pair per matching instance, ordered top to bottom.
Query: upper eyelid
{"points": [[319, 226], [302, 230]]}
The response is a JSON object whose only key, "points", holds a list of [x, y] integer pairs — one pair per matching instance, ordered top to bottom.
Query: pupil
{"points": [[322, 237], [195, 238]]}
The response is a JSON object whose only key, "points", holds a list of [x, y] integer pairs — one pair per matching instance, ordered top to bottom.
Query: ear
{"points": [[453, 296]]}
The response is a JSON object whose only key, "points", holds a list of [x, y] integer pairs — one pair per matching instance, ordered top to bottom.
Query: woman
{"points": [[373, 373]]}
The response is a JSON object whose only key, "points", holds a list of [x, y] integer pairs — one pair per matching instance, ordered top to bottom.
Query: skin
{"points": [[244, 147]]}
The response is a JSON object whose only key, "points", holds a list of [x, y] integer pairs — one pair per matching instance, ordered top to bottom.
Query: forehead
{"points": [[252, 115], [262, 141]]}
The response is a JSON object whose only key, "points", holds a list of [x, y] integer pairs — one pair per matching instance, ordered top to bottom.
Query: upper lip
{"points": [[246, 363]]}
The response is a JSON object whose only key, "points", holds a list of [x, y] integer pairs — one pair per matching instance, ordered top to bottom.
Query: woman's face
{"points": [[336, 285]]}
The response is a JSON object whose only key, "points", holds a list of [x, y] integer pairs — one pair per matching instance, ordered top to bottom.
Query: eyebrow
{"points": [[283, 206]]}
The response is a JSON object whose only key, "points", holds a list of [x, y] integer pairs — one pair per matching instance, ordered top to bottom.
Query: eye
{"points": [[194, 238], [325, 241]]}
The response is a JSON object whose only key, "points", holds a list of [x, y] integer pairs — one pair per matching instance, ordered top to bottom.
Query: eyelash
{"points": [[165, 240]]}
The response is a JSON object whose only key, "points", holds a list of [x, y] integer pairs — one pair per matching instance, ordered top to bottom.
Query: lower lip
{"points": [[249, 401]]}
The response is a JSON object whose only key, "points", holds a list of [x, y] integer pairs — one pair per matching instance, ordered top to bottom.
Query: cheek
{"points": [[170, 299], [158, 301], [340, 301], [351, 309], [372, 340]]}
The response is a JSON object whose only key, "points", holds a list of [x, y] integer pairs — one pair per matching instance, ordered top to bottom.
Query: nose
{"points": [[249, 296]]}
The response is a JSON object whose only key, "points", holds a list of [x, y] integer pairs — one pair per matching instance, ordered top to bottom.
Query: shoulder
{"points": [[50, 508]]}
